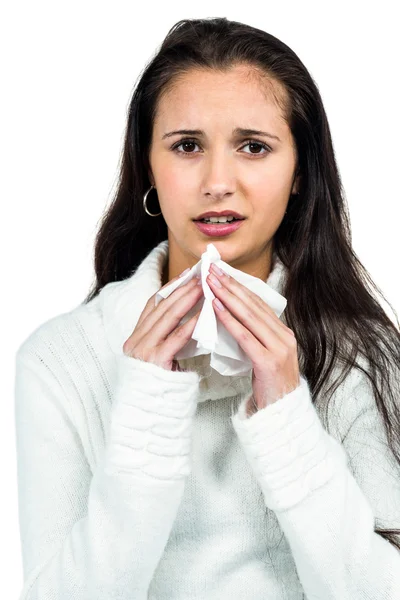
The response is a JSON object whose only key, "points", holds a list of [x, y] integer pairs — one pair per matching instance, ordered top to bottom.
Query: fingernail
{"points": [[213, 267], [217, 269], [184, 272], [215, 281], [219, 304]]}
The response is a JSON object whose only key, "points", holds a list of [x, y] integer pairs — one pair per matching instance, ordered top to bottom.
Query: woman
{"points": [[143, 476]]}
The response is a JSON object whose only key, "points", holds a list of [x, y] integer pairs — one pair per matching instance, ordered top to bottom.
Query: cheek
{"points": [[277, 176], [174, 181], [175, 195], [173, 205], [272, 206]]}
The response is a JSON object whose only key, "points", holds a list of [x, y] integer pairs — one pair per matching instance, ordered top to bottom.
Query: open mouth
{"points": [[209, 222], [214, 229]]}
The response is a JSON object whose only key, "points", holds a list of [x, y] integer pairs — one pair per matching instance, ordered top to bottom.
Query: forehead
{"points": [[205, 96]]}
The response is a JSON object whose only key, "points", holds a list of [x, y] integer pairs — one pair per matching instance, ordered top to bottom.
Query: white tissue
{"points": [[227, 357]]}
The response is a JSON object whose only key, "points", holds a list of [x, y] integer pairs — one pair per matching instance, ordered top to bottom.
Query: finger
{"points": [[243, 292], [238, 300], [150, 304], [161, 321], [254, 337], [178, 338], [163, 354]]}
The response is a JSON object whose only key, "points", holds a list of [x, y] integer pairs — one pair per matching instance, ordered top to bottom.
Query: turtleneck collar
{"points": [[122, 303]]}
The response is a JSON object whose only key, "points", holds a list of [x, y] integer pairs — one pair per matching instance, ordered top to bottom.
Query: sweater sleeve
{"points": [[327, 495], [100, 535]]}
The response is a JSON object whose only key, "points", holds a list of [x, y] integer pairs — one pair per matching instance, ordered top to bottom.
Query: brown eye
{"points": [[185, 143], [188, 144], [256, 145]]}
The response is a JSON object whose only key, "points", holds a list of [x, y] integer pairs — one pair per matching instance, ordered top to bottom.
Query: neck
{"points": [[261, 269], [164, 275]]}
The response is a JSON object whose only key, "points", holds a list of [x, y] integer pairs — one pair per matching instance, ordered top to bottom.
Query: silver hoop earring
{"points": [[145, 200]]}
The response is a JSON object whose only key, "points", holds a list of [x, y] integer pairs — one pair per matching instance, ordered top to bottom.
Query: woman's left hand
{"points": [[270, 345]]}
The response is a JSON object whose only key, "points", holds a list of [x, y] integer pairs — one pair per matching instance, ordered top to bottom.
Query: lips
{"points": [[224, 213], [231, 221], [218, 229]]}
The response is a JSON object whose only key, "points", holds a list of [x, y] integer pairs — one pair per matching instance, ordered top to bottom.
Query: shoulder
{"points": [[62, 327], [69, 352], [68, 356]]}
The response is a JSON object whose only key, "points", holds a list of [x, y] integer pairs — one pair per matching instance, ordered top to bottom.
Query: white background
{"points": [[68, 71]]}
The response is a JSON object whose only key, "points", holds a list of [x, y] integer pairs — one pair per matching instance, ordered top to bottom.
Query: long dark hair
{"points": [[334, 316]]}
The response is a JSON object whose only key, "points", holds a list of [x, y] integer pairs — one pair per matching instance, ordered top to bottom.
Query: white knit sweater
{"points": [[140, 483]]}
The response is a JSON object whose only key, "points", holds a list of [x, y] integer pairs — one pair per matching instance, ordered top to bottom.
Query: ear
{"points": [[151, 178], [296, 184]]}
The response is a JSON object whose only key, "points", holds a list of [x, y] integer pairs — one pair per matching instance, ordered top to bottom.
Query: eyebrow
{"points": [[237, 131]]}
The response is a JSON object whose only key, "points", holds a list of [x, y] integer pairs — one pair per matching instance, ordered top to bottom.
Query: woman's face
{"points": [[218, 169]]}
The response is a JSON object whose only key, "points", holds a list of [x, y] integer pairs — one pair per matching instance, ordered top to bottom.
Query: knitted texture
{"points": [[138, 482]]}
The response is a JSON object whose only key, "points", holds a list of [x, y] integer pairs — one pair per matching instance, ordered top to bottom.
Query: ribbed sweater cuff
{"points": [[152, 416], [287, 447]]}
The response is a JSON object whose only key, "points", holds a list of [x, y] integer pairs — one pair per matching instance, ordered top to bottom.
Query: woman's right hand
{"points": [[156, 337]]}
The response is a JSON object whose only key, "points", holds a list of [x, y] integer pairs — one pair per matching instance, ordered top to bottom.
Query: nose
{"points": [[219, 178]]}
